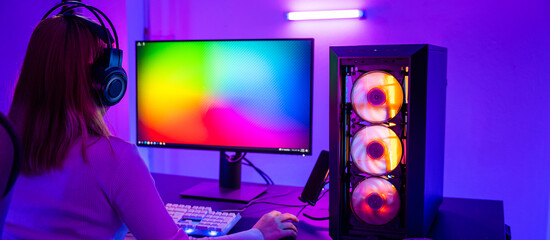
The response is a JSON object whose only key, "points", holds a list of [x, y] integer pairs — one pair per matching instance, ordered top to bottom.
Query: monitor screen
{"points": [[227, 95]]}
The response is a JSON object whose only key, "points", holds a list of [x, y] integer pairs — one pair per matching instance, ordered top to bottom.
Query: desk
{"points": [[169, 187], [457, 219]]}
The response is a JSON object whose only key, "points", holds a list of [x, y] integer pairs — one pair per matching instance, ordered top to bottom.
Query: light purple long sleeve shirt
{"points": [[99, 199]]}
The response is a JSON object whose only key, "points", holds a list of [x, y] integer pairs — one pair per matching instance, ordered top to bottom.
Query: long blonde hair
{"points": [[54, 103]]}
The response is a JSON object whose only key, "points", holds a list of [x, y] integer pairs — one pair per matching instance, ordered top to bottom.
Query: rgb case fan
{"points": [[387, 123]]}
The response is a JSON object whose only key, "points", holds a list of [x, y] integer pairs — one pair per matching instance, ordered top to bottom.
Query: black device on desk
{"points": [[250, 95], [316, 181]]}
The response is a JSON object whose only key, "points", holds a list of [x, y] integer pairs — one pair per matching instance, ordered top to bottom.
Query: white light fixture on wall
{"points": [[333, 14]]}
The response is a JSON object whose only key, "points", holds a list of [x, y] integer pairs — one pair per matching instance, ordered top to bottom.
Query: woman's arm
{"points": [[137, 201]]}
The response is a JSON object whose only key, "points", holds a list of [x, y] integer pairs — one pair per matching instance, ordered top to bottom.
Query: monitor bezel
{"points": [[231, 148]]}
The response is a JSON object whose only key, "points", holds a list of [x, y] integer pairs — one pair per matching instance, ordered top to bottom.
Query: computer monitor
{"points": [[226, 95]]}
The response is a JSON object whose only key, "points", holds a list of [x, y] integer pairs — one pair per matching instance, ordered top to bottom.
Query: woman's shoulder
{"points": [[108, 142], [112, 148]]}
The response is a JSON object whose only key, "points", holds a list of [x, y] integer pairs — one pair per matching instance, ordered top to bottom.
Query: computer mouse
{"points": [[290, 237]]}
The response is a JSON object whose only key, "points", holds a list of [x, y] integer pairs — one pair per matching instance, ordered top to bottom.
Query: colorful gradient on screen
{"points": [[252, 95]]}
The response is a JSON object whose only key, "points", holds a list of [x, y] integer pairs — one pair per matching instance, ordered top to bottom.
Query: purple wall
{"points": [[14, 40], [497, 101]]}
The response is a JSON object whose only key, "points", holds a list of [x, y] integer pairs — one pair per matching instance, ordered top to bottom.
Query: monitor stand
{"points": [[229, 187]]}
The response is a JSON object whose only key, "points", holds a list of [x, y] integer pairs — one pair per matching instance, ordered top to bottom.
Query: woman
{"points": [[77, 181]]}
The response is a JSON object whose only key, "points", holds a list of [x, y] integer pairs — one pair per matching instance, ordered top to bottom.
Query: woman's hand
{"points": [[276, 225]]}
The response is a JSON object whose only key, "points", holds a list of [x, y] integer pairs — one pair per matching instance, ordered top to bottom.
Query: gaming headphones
{"points": [[109, 78]]}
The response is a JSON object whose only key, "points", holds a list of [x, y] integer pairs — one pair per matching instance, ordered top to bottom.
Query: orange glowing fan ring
{"points": [[376, 96], [376, 150], [375, 201]]}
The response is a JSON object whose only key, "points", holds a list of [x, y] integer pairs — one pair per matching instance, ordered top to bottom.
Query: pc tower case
{"points": [[387, 132]]}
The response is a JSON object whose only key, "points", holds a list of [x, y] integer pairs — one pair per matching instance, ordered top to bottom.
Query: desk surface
{"points": [[169, 187], [457, 218]]}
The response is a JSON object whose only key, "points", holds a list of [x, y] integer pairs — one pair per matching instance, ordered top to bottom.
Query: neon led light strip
{"points": [[335, 14]]}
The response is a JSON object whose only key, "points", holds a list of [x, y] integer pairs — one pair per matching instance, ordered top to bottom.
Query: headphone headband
{"points": [[94, 11], [109, 78]]}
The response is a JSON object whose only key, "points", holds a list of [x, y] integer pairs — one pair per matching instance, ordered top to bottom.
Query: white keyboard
{"points": [[201, 220]]}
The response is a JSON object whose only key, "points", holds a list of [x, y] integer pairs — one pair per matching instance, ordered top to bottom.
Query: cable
{"points": [[240, 156], [235, 158], [260, 171], [264, 175], [257, 200], [271, 203], [277, 204], [303, 206], [298, 214], [315, 218]]}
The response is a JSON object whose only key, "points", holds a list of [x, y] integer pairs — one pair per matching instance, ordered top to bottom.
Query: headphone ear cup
{"points": [[110, 80], [114, 86]]}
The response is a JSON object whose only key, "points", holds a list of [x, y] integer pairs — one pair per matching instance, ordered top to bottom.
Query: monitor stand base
{"points": [[212, 190]]}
